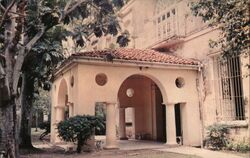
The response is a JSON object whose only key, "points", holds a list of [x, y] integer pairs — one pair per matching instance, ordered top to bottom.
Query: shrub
{"points": [[79, 129], [101, 130], [217, 138], [239, 146]]}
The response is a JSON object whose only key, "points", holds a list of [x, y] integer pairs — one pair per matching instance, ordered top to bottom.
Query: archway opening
{"points": [[62, 108], [142, 115]]}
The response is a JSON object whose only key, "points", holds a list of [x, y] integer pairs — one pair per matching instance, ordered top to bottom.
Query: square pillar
{"points": [[122, 124], [170, 124], [111, 142]]}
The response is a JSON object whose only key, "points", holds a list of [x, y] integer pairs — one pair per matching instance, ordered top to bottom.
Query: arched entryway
{"points": [[62, 108], [142, 114]]}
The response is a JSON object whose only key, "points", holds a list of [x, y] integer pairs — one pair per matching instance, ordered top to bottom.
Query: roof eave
{"points": [[120, 62]]}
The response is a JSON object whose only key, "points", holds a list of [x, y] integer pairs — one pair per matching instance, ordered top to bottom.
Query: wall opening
{"points": [[100, 111], [145, 116], [160, 116], [179, 135]]}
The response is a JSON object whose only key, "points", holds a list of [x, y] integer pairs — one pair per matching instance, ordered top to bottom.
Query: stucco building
{"points": [[169, 85]]}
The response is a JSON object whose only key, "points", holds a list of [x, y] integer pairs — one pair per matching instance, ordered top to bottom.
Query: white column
{"points": [[71, 109], [59, 113], [59, 117], [133, 122], [122, 124], [170, 124], [111, 142]]}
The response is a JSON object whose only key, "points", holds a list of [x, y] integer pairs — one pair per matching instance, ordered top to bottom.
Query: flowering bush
{"points": [[217, 138], [239, 146]]}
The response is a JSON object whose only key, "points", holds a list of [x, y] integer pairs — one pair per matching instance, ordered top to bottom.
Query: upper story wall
{"points": [[152, 21]]}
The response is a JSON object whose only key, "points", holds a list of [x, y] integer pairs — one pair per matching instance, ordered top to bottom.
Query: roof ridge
{"points": [[147, 55]]}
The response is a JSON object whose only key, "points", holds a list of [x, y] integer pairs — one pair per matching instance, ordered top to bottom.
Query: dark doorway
{"points": [[160, 116], [178, 123]]}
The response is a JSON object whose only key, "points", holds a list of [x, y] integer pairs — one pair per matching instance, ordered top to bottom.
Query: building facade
{"points": [[169, 26], [214, 91]]}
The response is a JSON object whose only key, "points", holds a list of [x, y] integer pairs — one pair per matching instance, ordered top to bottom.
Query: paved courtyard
{"points": [[130, 149]]}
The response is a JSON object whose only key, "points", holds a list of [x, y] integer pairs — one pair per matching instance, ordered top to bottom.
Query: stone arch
{"points": [[150, 76], [62, 93], [62, 99], [144, 104]]}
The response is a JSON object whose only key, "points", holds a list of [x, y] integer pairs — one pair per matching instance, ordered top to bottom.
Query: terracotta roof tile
{"points": [[146, 55]]}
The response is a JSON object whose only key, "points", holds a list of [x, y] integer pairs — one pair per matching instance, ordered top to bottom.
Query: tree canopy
{"points": [[232, 17], [31, 34]]}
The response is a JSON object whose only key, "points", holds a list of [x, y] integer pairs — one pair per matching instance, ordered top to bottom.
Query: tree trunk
{"points": [[26, 112], [7, 126], [80, 143]]}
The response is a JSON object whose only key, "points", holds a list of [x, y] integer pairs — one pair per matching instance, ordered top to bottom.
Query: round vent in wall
{"points": [[101, 79], [179, 82], [130, 92]]}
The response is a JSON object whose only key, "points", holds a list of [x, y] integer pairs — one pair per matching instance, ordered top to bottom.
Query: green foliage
{"points": [[51, 13], [232, 17], [83, 19], [46, 54], [44, 57], [42, 101], [100, 112], [45, 126], [79, 129], [217, 138], [239, 146]]}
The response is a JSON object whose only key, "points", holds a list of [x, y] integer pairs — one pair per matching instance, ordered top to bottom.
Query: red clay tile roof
{"points": [[146, 55]]}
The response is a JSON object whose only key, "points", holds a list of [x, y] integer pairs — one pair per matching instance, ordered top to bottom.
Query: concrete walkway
{"points": [[141, 144], [152, 145], [199, 152]]}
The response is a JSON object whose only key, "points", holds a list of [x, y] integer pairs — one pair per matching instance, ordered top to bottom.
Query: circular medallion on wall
{"points": [[101, 79], [72, 81], [179, 82], [130, 92]]}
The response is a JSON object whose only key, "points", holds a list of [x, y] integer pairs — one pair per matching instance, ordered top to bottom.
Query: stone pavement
{"points": [[141, 144], [152, 145], [199, 152]]}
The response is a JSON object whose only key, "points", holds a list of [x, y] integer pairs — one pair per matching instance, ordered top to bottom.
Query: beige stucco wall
{"points": [[139, 18], [195, 44], [86, 92], [57, 97]]}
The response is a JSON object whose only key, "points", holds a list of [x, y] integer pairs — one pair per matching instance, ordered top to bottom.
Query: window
{"points": [[173, 11], [168, 14], [163, 17], [165, 26], [168, 27], [164, 30], [159, 32], [231, 91]]}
